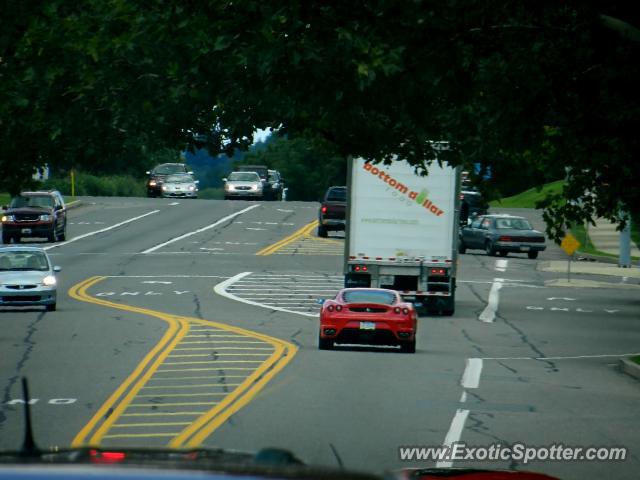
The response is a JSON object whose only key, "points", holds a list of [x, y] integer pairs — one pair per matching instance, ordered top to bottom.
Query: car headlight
{"points": [[152, 183], [164, 187], [192, 187], [229, 187], [256, 187], [8, 218], [45, 218], [49, 281]]}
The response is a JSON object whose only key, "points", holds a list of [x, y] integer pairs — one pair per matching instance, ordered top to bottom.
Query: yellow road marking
{"points": [[271, 249], [216, 342], [220, 348], [220, 355], [226, 369], [157, 379], [195, 386], [156, 395], [177, 404], [161, 414], [206, 423], [151, 424], [139, 435]]}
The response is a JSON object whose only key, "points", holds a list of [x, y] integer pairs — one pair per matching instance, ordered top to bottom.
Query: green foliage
{"points": [[527, 88], [308, 166], [100, 186], [211, 193], [530, 198]]}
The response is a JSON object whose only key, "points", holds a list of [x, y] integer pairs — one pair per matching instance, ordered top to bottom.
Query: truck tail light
{"points": [[323, 209], [504, 238], [360, 268], [438, 271]]}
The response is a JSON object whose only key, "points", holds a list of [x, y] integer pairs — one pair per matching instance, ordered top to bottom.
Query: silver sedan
{"points": [[27, 278]]}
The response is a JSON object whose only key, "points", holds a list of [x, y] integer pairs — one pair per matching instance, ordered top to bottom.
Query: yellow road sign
{"points": [[569, 244]]}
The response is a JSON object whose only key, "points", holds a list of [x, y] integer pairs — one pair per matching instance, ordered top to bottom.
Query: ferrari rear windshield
{"points": [[369, 296]]}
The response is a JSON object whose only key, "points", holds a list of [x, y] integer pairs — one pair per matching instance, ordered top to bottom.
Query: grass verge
{"points": [[528, 198], [586, 246], [635, 359]]}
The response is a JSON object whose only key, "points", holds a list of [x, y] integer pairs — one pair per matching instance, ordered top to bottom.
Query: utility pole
{"points": [[624, 260]]}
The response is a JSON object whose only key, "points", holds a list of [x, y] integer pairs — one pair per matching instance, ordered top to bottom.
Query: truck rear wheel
{"points": [[322, 231], [462, 248], [532, 254]]}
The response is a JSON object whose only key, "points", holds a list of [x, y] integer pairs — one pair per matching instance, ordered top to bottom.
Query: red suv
{"points": [[35, 214]]}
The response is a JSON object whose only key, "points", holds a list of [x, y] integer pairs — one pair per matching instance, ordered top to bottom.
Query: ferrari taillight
{"points": [[330, 308], [338, 308], [397, 310], [405, 311]]}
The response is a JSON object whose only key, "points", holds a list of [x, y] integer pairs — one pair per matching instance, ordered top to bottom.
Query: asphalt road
{"points": [[191, 323]]}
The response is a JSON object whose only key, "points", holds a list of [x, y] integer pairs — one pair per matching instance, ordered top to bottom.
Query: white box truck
{"points": [[402, 231]]}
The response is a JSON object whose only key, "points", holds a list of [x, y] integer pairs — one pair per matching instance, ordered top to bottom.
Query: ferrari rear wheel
{"points": [[325, 343], [409, 347]]}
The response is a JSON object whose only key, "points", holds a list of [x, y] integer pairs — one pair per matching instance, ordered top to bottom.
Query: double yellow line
{"points": [[302, 232], [195, 433]]}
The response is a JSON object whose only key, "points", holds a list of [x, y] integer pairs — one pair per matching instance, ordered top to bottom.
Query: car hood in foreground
{"points": [[22, 277]]}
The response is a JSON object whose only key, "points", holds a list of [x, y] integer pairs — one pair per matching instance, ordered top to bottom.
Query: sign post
{"points": [[569, 244]]}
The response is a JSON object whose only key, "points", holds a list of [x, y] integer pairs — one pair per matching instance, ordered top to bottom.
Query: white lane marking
{"points": [[174, 203], [283, 210], [252, 228], [102, 230], [200, 230], [211, 249], [501, 264], [166, 276], [162, 282], [505, 283], [278, 288], [221, 289], [561, 298], [488, 315], [574, 357], [471, 375], [463, 397], [454, 434]]}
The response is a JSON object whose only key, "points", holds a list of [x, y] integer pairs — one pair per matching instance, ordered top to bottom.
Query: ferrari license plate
{"points": [[26, 230], [367, 325]]}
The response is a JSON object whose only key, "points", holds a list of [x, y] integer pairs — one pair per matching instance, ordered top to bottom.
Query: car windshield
{"points": [[169, 169], [244, 177], [179, 179], [337, 195], [22, 201], [512, 224], [23, 260], [369, 296]]}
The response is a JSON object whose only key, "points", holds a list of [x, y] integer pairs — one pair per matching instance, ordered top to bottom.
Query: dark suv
{"points": [[160, 172], [35, 214], [331, 215]]}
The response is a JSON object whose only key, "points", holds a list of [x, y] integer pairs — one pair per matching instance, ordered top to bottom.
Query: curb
{"points": [[74, 204], [595, 258], [630, 368]]}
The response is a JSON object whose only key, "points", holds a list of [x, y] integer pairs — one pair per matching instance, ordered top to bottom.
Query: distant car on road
{"points": [[160, 172], [182, 185], [243, 185], [274, 186], [472, 204], [332, 213], [35, 214], [501, 234], [27, 278], [371, 316]]}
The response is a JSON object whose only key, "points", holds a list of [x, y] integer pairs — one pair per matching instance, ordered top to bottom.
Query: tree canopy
{"points": [[521, 86]]}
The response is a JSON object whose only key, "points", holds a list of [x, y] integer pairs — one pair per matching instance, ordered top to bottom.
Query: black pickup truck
{"points": [[332, 211]]}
